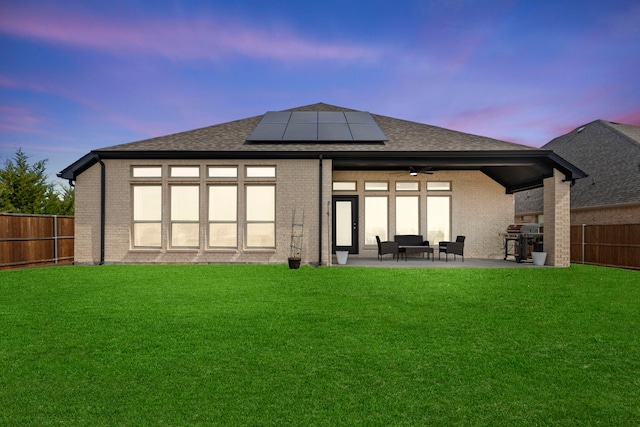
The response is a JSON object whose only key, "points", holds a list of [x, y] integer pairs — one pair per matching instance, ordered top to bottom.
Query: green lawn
{"points": [[265, 345]]}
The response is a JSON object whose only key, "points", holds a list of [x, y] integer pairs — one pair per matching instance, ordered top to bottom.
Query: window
{"points": [[261, 171], [146, 172], [185, 172], [223, 172], [344, 186], [376, 186], [407, 186], [439, 186], [223, 208], [261, 214], [407, 215], [147, 216], [185, 216], [375, 219], [438, 219]]}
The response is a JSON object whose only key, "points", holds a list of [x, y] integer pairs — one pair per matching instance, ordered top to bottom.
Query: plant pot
{"points": [[342, 257], [538, 257], [294, 263]]}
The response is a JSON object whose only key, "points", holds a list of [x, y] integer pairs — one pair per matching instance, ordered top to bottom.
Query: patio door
{"points": [[345, 224]]}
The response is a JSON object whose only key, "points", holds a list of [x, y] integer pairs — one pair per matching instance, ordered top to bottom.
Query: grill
{"points": [[522, 239]]}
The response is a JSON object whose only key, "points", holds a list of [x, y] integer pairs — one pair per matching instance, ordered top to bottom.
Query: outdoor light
{"points": [[413, 172]]}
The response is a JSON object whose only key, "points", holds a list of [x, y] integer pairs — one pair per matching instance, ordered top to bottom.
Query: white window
{"points": [[261, 171], [147, 172], [185, 172], [223, 172], [344, 186], [376, 186], [407, 186], [439, 186], [261, 214], [407, 215], [147, 216], [185, 216], [223, 217], [375, 219], [438, 219]]}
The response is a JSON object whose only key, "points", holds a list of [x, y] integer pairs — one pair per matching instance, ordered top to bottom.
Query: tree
{"points": [[24, 189]]}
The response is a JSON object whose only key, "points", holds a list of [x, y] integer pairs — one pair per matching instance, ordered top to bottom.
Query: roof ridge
{"points": [[620, 132]]}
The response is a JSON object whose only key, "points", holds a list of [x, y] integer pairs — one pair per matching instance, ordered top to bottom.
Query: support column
{"points": [[557, 220]]}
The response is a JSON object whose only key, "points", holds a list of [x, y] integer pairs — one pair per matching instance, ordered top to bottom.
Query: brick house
{"points": [[610, 154], [227, 193]]}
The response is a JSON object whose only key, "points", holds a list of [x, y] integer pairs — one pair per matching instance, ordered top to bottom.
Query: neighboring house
{"points": [[610, 154], [226, 193]]}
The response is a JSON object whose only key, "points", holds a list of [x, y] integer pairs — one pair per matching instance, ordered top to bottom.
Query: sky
{"points": [[77, 76]]}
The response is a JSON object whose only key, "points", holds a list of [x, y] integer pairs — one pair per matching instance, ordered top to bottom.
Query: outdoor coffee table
{"points": [[415, 250]]}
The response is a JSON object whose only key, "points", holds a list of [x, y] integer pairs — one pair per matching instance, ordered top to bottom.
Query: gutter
{"points": [[103, 205], [320, 211]]}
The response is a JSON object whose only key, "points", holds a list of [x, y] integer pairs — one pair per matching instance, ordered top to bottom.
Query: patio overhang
{"points": [[515, 170]]}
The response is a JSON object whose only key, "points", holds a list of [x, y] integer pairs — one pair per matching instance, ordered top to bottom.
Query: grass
{"points": [[264, 345]]}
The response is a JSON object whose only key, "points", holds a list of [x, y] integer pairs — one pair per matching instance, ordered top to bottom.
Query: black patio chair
{"points": [[385, 248], [455, 248]]}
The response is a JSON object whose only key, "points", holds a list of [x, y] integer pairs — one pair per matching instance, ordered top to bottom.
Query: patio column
{"points": [[557, 220]]}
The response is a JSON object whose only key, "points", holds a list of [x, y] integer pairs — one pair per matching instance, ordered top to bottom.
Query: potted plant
{"points": [[295, 252], [294, 260]]}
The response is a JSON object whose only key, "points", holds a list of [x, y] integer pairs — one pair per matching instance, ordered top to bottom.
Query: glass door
{"points": [[345, 224]]}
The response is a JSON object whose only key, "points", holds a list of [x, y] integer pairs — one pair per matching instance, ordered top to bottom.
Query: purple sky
{"points": [[78, 75]]}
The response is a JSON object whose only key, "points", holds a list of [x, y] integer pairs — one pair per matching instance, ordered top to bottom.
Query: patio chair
{"points": [[387, 248], [455, 248]]}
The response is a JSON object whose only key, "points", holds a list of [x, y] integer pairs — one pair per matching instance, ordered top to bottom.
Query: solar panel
{"points": [[276, 117], [304, 117], [331, 117], [359, 117], [317, 126], [268, 132], [301, 132], [334, 132], [366, 132]]}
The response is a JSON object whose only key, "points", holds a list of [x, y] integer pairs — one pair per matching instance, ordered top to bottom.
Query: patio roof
{"points": [[407, 145]]}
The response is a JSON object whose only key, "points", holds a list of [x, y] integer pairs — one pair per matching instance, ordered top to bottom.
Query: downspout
{"points": [[103, 206], [320, 217]]}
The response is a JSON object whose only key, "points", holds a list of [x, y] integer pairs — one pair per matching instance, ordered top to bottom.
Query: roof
{"points": [[407, 144], [609, 153]]}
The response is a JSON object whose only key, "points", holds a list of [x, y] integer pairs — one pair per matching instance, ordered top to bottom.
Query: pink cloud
{"points": [[202, 37], [19, 119]]}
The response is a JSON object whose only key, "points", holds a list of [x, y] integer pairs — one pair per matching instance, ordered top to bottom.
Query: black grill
{"points": [[522, 239]]}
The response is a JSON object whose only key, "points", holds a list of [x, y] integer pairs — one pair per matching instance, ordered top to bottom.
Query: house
{"points": [[610, 154], [227, 193]]}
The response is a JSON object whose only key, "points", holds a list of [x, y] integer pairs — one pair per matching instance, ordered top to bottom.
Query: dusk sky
{"points": [[78, 75]]}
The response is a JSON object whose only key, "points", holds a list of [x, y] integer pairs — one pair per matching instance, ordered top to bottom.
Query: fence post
{"points": [[583, 227], [55, 238]]}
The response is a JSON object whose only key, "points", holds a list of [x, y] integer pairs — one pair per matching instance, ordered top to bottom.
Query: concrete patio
{"points": [[419, 262]]}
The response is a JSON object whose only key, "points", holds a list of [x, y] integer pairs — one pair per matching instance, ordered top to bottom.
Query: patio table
{"points": [[415, 250]]}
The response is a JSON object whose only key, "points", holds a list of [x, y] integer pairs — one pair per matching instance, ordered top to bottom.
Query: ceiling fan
{"points": [[415, 171]]}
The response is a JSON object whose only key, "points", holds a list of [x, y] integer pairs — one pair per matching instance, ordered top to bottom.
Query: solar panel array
{"points": [[317, 126]]}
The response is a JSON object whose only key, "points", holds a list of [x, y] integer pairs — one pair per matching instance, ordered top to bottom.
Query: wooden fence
{"points": [[35, 240], [610, 245]]}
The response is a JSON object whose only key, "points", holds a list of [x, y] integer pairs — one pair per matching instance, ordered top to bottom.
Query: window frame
{"points": [[136, 221], [173, 221], [211, 222], [249, 222]]}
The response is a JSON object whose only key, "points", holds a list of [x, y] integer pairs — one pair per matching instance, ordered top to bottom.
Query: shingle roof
{"points": [[403, 136], [408, 144], [609, 153]]}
